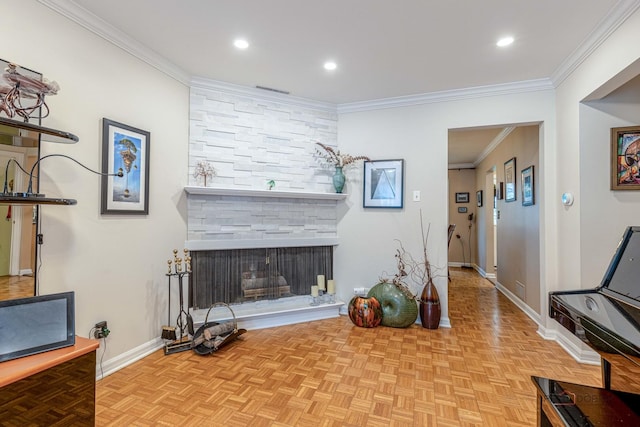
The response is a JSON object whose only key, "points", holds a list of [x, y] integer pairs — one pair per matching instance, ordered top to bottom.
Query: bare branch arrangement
{"points": [[335, 158], [417, 271]]}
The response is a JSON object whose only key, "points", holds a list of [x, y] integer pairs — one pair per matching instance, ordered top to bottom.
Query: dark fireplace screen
{"points": [[240, 275]]}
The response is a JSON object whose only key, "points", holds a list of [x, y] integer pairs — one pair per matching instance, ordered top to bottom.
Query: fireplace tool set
{"points": [[184, 321], [209, 337]]}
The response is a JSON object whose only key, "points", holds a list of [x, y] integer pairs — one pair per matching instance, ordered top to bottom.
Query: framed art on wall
{"points": [[125, 148], [625, 157], [510, 180], [383, 184], [528, 189], [462, 197], [479, 198], [462, 210]]}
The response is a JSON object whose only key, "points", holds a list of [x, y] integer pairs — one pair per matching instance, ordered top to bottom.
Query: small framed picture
{"points": [[510, 180], [383, 184], [528, 189], [462, 197], [479, 198], [462, 210]]}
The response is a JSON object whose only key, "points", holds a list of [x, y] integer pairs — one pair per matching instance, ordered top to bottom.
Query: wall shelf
{"points": [[30, 133], [22, 134], [241, 192]]}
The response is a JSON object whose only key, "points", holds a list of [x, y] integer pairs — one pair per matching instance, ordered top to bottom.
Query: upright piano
{"points": [[607, 318]]}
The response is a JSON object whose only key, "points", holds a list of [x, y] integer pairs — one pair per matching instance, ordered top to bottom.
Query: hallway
{"points": [[332, 373]]}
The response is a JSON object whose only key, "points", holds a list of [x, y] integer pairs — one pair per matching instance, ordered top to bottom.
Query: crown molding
{"points": [[608, 25], [98, 26], [261, 94], [448, 96], [496, 141]]}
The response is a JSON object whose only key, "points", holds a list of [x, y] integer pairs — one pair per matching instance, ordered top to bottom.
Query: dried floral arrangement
{"points": [[335, 158], [204, 169], [418, 272]]}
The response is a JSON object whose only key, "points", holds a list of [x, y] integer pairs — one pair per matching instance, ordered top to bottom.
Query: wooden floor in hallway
{"points": [[332, 373]]}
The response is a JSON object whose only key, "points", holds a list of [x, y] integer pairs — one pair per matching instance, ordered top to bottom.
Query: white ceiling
{"points": [[383, 48]]}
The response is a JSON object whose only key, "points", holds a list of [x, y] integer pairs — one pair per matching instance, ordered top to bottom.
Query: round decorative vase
{"points": [[338, 179], [430, 307], [399, 309], [365, 312]]}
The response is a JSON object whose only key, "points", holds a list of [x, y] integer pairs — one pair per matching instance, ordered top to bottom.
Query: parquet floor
{"points": [[15, 287], [331, 373]]}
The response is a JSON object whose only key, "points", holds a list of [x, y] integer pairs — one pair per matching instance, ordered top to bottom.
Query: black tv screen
{"points": [[36, 324]]}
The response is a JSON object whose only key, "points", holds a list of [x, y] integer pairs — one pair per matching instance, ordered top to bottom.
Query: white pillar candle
{"points": [[321, 281], [331, 286], [314, 291]]}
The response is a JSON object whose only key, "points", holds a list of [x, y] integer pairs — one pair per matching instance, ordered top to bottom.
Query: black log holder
{"points": [[184, 321]]}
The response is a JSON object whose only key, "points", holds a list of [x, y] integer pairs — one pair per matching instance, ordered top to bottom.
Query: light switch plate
{"points": [[416, 195]]}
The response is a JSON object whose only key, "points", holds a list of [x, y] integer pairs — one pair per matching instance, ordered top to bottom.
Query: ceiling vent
{"points": [[273, 90]]}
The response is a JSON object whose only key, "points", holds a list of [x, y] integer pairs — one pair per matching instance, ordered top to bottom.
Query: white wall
{"points": [[419, 134], [576, 152], [620, 208], [115, 264]]}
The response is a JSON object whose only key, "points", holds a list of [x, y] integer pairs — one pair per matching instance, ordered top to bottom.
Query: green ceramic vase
{"points": [[399, 310]]}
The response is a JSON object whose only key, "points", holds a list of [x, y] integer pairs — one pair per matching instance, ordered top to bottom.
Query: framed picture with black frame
{"points": [[126, 149], [510, 180], [383, 184], [528, 187], [462, 197], [479, 198]]}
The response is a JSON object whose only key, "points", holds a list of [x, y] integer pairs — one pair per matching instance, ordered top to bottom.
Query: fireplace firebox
{"points": [[240, 275]]}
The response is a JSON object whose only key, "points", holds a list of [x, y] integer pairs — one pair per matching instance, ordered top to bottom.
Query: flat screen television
{"points": [[36, 324]]}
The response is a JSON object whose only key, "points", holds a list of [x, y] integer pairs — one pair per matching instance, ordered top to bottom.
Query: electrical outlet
{"points": [[101, 330]]}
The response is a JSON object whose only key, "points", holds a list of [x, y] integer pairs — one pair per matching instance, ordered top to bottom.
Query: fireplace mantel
{"points": [[249, 192]]}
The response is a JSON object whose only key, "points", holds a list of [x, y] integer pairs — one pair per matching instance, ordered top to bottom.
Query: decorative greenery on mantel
{"points": [[248, 192]]}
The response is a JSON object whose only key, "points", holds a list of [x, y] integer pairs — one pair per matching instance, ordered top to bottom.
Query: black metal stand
{"points": [[184, 321]]}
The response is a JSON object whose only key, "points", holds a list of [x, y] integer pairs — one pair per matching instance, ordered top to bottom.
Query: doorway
{"points": [[490, 225]]}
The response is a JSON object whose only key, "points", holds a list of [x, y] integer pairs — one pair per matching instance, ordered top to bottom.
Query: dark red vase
{"points": [[430, 307]]}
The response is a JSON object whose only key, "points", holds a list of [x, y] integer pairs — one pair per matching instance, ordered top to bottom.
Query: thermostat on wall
{"points": [[567, 199]]}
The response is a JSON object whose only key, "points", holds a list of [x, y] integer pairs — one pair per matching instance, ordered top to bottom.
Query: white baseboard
{"points": [[25, 272], [518, 302], [568, 344], [126, 358]]}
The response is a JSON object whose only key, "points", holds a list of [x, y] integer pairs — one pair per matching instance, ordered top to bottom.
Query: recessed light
{"points": [[505, 41], [241, 43], [330, 65]]}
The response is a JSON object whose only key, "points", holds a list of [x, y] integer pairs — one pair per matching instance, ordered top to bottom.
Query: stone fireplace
{"points": [[253, 245]]}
